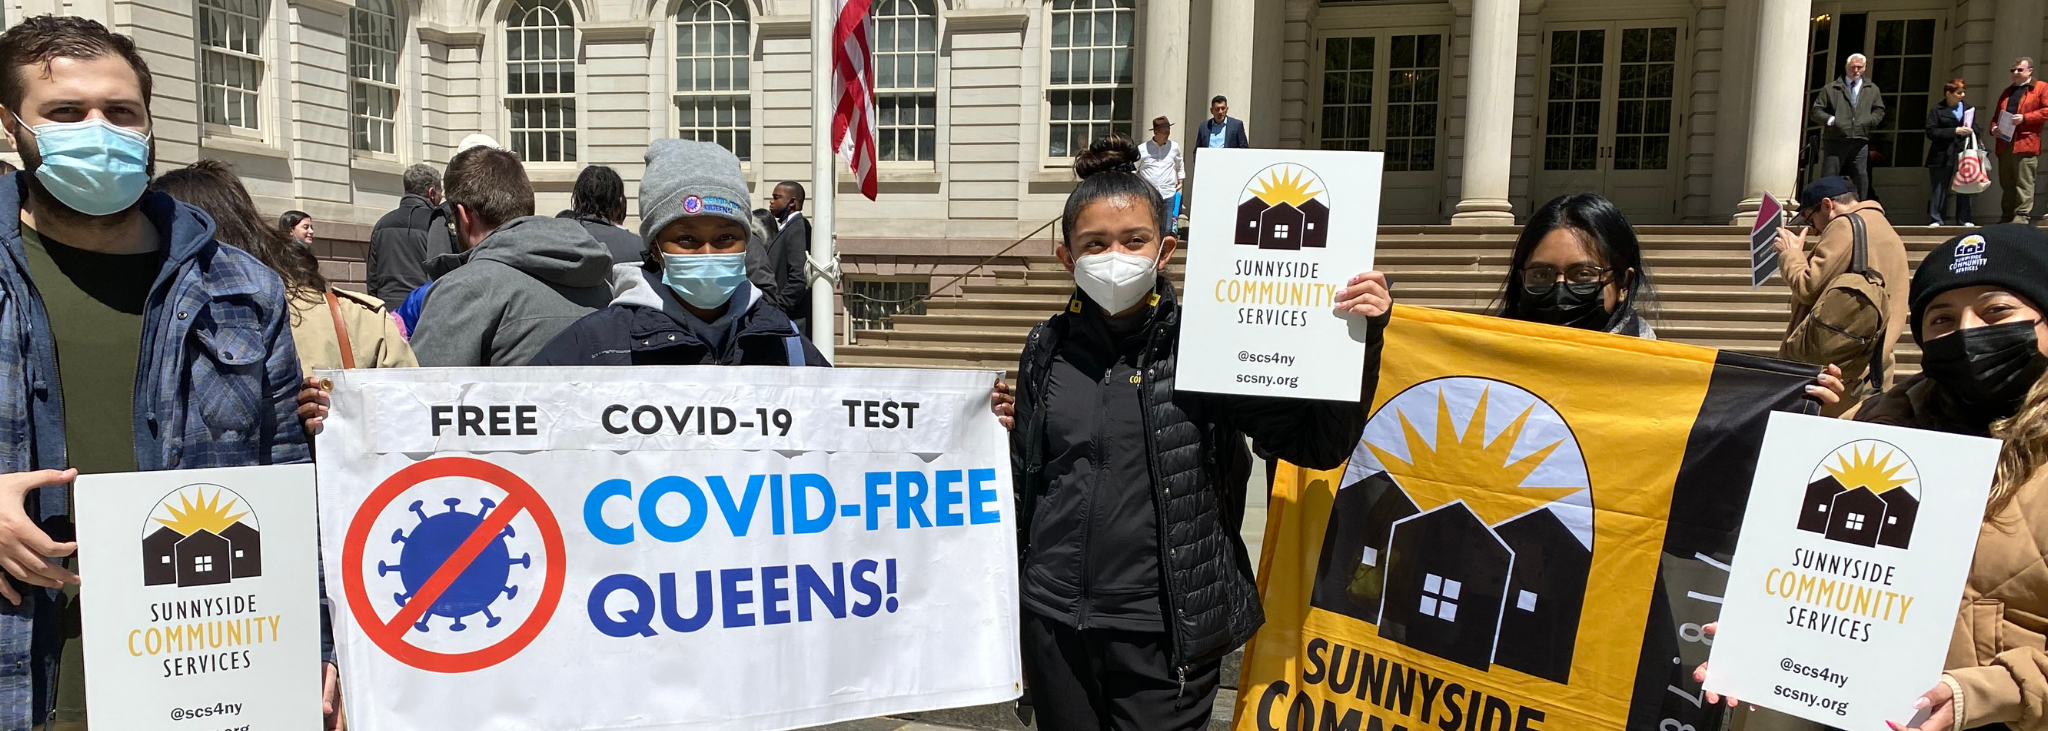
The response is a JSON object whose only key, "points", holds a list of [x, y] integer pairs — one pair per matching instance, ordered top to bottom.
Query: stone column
{"points": [[1230, 54], [1166, 68], [1777, 104], [1489, 115]]}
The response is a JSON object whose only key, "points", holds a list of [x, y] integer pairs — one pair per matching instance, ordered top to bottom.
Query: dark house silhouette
{"points": [[1315, 225], [1280, 227], [1247, 231], [1820, 498], [1899, 511], [1856, 517], [246, 550], [160, 557], [202, 559], [1352, 569], [1446, 576], [1539, 624]]}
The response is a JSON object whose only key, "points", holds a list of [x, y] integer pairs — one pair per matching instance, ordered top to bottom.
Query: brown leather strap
{"points": [[348, 353]]}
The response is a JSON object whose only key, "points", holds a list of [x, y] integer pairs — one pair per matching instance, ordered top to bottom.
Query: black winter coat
{"points": [[1943, 144], [401, 244], [778, 267], [638, 334], [1199, 466]]}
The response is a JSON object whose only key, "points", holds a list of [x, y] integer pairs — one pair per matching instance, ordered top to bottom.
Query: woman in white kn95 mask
{"points": [[1128, 489]]}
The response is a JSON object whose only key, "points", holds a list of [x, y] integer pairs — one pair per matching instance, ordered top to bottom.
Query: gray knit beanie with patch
{"points": [[686, 178]]}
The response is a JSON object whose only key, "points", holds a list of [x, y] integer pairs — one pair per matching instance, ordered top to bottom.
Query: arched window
{"points": [[905, 41], [713, 42], [373, 43], [231, 61], [540, 80], [1090, 89]]}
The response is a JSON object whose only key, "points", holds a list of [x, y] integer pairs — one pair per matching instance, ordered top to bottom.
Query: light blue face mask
{"points": [[91, 165], [704, 280]]}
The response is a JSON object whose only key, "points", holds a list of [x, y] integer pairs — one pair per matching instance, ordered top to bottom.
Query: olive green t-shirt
{"points": [[95, 303]]}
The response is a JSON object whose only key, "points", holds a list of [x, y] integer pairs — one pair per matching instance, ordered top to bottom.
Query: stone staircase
{"points": [[1701, 276]]}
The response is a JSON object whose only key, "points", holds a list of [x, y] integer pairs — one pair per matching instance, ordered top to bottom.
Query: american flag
{"points": [[853, 84]]}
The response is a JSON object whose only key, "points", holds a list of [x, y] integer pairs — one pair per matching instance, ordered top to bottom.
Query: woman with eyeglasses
{"points": [[1578, 264]]}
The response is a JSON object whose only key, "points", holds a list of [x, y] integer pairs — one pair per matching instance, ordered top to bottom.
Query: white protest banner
{"points": [[1283, 233], [743, 548], [1852, 557], [199, 599]]}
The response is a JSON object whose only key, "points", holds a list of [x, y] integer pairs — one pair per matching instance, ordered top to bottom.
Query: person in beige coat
{"points": [[1827, 205], [323, 317]]}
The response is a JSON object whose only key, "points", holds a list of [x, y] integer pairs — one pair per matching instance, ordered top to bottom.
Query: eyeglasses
{"points": [[2017, 70], [1583, 279]]}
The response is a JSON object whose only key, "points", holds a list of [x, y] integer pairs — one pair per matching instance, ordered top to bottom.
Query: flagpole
{"points": [[823, 176]]}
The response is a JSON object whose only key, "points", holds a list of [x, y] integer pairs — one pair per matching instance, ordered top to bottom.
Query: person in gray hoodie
{"points": [[527, 278]]}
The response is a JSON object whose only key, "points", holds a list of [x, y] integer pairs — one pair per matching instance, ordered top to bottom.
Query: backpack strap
{"points": [[1859, 262], [794, 345], [348, 352]]}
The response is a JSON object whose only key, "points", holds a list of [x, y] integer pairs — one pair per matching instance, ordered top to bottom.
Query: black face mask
{"points": [[1571, 305], [1986, 369]]}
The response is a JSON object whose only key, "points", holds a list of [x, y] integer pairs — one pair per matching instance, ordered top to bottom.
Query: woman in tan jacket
{"points": [[333, 328]]}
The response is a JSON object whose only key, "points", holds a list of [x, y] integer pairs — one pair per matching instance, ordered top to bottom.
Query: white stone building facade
{"points": [[1680, 110]]}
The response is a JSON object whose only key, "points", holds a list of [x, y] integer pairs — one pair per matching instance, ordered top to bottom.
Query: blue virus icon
{"points": [[430, 544]]}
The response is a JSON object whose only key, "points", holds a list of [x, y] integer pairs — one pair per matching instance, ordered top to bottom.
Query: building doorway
{"points": [[1904, 56], [1384, 91], [1608, 120]]}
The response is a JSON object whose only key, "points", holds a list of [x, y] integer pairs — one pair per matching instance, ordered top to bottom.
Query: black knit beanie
{"points": [[2010, 256]]}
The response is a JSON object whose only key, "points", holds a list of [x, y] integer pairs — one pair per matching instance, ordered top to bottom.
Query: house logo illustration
{"points": [[1285, 206], [1866, 492], [1464, 528], [201, 535]]}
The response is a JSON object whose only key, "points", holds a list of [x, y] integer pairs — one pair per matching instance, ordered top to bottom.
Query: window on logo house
{"points": [[373, 37], [905, 41], [713, 42], [231, 61], [1902, 66], [1412, 75], [540, 80], [1089, 93], [1279, 230], [875, 303], [1855, 521], [202, 564], [1440, 597]]}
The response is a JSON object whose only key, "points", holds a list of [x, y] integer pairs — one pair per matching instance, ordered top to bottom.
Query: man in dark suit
{"points": [[1847, 109], [1220, 129], [778, 269]]}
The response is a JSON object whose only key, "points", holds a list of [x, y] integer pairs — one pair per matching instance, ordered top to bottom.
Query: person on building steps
{"points": [[1847, 109], [2017, 120], [1221, 129], [1948, 129], [1160, 162], [1827, 205], [97, 266], [688, 300], [1128, 489]]}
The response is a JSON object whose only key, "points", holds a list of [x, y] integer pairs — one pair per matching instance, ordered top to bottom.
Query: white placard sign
{"points": [[1280, 235], [743, 548], [1852, 557], [199, 599]]}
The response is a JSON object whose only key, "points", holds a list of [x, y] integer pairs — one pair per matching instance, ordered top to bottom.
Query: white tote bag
{"points": [[1973, 169]]}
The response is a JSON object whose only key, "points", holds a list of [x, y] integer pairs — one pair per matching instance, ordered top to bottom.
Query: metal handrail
{"points": [[913, 299]]}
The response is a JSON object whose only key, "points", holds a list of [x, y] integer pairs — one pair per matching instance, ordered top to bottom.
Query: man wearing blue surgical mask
{"points": [[688, 302], [130, 339]]}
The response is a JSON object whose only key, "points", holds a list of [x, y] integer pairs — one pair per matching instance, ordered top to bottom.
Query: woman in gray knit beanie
{"points": [[690, 302]]}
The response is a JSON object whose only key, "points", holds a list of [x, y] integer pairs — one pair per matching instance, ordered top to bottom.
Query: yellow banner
{"points": [[1486, 561]]}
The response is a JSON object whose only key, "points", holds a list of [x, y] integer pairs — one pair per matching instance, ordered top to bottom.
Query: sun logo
{"points": [[1285, 206], [1861, 496], [201, 535], [1474, 545]]}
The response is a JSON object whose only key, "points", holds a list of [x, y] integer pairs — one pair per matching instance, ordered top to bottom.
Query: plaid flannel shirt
{"points": [[216, 388]]}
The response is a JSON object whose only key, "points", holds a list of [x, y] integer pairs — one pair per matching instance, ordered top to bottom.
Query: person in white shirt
{"points": [[1159, 162]]}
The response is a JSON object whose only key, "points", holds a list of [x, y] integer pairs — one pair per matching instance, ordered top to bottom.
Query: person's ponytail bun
{"points": [[1111, 154]]}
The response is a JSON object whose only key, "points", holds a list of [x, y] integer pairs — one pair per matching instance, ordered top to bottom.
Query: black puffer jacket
{"points": [[1199, 466]]}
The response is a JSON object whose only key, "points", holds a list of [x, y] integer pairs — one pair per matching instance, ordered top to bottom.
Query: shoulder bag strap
{"points": [[1859, 263], [794, 346], [348, 352]]}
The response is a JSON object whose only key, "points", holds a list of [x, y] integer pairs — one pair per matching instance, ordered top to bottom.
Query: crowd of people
{"points": [[1134, 580]]}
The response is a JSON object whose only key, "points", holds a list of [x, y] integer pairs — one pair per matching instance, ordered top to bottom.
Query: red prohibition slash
{"points": [[390, 635]]}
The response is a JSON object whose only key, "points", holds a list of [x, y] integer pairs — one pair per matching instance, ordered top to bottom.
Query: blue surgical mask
{"points": [[91, 165], [704, 280]]}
